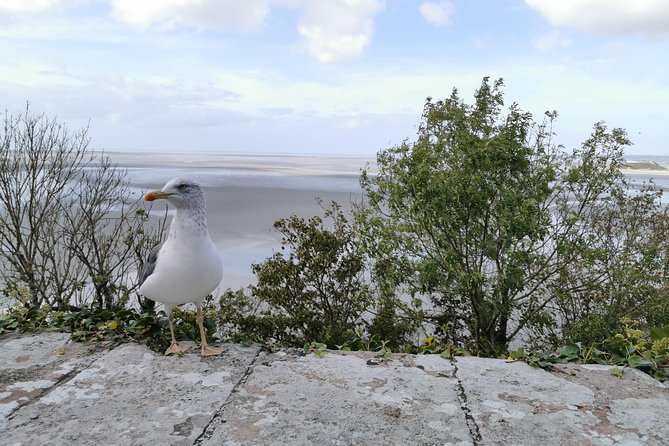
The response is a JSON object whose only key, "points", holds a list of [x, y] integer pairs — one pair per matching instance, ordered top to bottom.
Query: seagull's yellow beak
{"points": [[155, 195]]}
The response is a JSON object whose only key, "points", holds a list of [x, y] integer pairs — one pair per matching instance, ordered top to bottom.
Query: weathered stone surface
{"points": [[23, 352], [31, 364], [57, 392], [131, 396], [344, 399], [514, 404]]}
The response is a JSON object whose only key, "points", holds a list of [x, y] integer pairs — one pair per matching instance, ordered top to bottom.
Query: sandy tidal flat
{"points": [[283, 164], [653, 173], [247, 194]]}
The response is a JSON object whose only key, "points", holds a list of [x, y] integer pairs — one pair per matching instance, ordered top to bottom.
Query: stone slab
{"points": [[20, 352], [32, 364], [57, 392], [131, 396], [344, 399], [515, 404]]}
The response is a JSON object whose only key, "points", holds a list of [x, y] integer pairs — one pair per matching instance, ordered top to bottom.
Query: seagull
{"points": [[186, 267]]}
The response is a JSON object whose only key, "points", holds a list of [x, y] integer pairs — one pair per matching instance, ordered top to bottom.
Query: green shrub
{"points": [[498, 230], [315, 289]]}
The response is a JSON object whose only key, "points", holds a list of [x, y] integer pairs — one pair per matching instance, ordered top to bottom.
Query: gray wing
{"points": [[150, 264]]}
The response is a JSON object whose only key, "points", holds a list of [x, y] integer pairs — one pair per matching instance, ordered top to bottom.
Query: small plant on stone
{"points": [[317, 348]]}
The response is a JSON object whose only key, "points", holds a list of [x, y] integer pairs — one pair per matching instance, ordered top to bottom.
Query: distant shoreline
{"points": [[286, 164], [298, 164], [645, 165], [646, 172]]}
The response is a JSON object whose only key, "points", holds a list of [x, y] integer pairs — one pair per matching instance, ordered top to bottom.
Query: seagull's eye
{"points": [[183, 186]]}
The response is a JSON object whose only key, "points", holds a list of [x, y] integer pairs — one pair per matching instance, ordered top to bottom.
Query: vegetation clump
{"points": [[70, 232], [480, 234]]}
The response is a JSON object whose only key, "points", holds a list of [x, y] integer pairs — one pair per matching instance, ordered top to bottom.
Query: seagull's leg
{"points": [[175, 347], [206, 349]]}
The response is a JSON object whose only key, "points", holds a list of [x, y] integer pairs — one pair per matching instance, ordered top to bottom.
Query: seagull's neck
{"points": [[189, 223]]}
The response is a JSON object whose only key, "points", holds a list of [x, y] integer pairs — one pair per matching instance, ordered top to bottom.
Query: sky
{"points": [[337, 77]]}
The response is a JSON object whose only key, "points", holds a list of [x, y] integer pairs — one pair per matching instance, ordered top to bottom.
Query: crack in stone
{"points": [[209, 428], [474, 430]]}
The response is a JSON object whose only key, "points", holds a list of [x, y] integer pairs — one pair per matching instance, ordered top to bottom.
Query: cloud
{"points": [[24, 7], [437, 13], [164, 15], [616, 17], [333, 30], [337, 30], [551, 41]]}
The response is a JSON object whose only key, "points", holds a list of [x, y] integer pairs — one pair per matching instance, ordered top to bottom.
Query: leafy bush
{"points": [[496, 229], [628, 255], [315, 289], [631, 347]]}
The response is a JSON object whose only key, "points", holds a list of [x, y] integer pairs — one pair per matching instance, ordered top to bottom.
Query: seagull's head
{"points": [[181, 192]]}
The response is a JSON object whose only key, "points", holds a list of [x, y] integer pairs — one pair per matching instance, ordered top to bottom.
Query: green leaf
{"points": [[659, 333], [568, 352], [518, 354], [637, 362], [615, 371]]}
